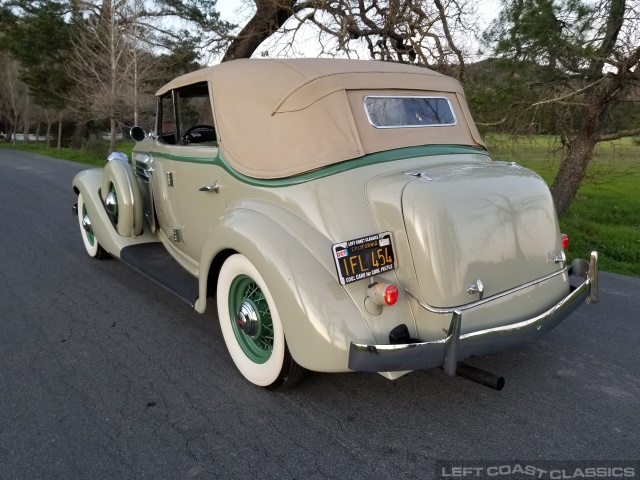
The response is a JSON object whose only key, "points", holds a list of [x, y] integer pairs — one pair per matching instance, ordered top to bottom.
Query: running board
{"points": [[154, 262]]}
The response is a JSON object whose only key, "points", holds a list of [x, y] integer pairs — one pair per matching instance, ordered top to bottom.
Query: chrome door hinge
{"points": [[169, 179], [177, 235]]}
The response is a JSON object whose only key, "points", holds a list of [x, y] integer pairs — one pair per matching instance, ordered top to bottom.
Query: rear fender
{"points": [[88, 183], [318, 317]]}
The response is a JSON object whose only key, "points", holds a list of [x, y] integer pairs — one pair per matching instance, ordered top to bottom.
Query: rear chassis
{"points": [[447, 352]]}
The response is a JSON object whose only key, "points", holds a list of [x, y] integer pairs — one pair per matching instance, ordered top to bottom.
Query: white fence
{"points": [[19, 137]]}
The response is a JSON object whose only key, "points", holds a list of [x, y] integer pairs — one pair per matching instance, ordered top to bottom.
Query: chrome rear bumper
{"points": [[455, 347]]}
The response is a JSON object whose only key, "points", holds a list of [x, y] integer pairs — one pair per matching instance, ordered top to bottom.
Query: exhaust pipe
{"points": [[480, 376]]}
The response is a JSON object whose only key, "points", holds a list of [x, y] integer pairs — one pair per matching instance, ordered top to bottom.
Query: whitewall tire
{"points": [[91, 245], [251, 326]]}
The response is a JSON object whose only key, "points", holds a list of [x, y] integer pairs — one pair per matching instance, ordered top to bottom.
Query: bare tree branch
{"points": [[405, 31], [568, 95], [618, 135]]}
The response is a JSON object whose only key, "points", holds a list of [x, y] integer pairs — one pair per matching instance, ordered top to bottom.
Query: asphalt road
{"points": [[105, 375]]}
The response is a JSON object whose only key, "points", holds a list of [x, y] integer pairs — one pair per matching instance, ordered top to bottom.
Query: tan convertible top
{"points": [[278, 118]]}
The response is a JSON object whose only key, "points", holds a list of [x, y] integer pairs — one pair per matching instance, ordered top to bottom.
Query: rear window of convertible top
{"points": [[408, 111]]}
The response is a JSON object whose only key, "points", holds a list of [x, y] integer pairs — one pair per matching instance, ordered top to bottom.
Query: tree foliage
{"points": [[551, 33], [38, 37], [102, 59], [571, 67], [13, 95]]}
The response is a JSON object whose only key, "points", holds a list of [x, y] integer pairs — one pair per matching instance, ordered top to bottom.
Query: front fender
{"points": [[88, 183], [318, 317]]}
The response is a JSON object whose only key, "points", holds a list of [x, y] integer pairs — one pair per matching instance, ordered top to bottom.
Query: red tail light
{"points": [[565, 241], [383, 293], [391, 294]]}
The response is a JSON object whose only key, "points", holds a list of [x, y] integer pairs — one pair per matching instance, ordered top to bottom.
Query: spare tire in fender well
{"points": [[130, 217]]}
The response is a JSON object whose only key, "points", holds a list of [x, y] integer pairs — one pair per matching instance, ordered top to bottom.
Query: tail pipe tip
{"points": [[480, 376]]}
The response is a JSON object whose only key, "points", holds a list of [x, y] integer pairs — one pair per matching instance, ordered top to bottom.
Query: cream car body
{"points": [[291, 164]]}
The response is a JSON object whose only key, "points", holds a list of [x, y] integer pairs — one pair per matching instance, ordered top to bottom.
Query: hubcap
{"points": [[111, 204], [86, 225], [248, 319], [251, 319]]}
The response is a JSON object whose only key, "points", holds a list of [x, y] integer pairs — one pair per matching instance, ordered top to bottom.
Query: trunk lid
{"points": [[494, 222]]}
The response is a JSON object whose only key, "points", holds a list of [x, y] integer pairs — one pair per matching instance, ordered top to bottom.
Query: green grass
{"points": [[94, 152], [605, 216]]}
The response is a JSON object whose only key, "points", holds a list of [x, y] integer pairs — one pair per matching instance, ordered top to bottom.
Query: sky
{"points": [[228, 8]]}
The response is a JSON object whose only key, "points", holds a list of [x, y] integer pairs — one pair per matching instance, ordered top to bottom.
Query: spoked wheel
{"points": [[90, 241], [252, 328]]}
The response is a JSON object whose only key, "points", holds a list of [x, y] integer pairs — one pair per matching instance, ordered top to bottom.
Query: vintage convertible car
{"points": [[345, 215]]}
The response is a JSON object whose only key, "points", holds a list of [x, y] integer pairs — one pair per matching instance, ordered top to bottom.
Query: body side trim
{"points": [[371, 159]]}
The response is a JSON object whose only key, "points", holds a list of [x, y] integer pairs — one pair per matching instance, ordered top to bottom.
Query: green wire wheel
{"points": [[250, 318], [251, 326]]}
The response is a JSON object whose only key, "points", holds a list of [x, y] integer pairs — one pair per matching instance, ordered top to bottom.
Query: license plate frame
{"points": [[364, 257]]}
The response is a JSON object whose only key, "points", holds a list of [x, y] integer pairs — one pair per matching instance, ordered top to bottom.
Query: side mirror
{"points": [[137, 133]]}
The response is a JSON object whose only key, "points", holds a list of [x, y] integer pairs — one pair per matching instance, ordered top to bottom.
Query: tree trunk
{"points": [[269, 17], [114, 85], [136, 90], [48, 117], [7, 124], [15, 129], [60, 131], [38, 133], [48, 133], [79, 134], [25, 137], [112, 144], [574, 166]]}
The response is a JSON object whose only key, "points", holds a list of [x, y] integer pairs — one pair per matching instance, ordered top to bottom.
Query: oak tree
{"points": [[580, 62]]}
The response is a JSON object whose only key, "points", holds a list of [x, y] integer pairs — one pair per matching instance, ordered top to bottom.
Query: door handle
{"points": [[210, 188], [477, 287]]}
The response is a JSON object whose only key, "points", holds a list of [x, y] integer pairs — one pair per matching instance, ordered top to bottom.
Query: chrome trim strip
{"points": [[141, 170], [488, 299]]}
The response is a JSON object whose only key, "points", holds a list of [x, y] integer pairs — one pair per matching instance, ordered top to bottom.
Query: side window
{"points": [[195, 116], [167, 120]]}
